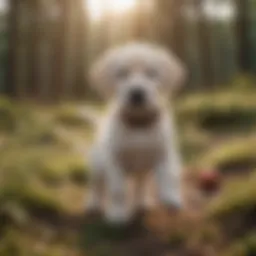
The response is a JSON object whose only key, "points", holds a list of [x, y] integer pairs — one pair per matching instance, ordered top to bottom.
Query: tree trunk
{"points": [[33, 17], [81, 21], [164, 22], [170, 25], [141, 27], [178, 33], [204, 46], [244, 46], [60, 50], [11, 81]]}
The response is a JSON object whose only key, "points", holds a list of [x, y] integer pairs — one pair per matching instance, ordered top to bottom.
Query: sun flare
{"points": [[98, 7]]}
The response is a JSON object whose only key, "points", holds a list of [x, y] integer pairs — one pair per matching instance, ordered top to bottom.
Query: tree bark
{"points": [[34, 12], [81, 21], [164, 22], [243, 28], [178, 33], [204, 46], [60, 50], [11, 80]]}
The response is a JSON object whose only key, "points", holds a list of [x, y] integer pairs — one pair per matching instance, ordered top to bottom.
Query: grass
{"points": [[220, 111], [8, 115], [70, 116], [193, 143], [239, 154], [36, 159], [52, 164], [63, 166], [43, 170], [30, 196], [238, 198], [243, 247]]}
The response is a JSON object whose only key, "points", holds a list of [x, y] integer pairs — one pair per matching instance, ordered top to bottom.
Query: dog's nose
{"points": [[137, 97]]}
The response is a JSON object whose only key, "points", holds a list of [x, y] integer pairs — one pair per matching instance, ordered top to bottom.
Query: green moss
{"points": [[244, 82], [220, 111], [8, 117], [72, 117], [40, 134], [193, 143], [235, 155], [52, 164], [64, 166], [30, 196], [237, 199], [97, 232], [206, 234], [178, 238], [11, 244], [243, 247]]}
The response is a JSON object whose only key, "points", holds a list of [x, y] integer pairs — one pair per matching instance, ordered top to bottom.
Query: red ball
{"points": [[209, 181]]}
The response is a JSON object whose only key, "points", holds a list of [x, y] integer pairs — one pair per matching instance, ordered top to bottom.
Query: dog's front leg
{"points": [[169, 179], [116, 210]]}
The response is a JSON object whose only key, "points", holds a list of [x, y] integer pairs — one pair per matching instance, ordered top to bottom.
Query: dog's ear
{"points": [[175, 73], [100, 76]]}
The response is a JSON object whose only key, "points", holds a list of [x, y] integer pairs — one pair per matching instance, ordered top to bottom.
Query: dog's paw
{"points": [[172, 204], [117, 216]]}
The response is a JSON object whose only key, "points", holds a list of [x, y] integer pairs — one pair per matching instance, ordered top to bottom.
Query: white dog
{"points": [[136, 137]]}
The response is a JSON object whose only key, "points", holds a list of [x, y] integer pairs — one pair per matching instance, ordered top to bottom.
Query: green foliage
{"points": [[244, 82], [219, 111], [7, 115], [71, 117], [39, 134], [193, 143], [238, 155], [35, 160], [51, 164], [41, 166], [63, 166], [30, 196], [238, 199], [98, 237], [178, 238], [11, 245], [243, 247]]}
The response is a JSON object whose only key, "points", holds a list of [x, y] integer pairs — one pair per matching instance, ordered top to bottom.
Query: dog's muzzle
{"points": [[137, 97], [139, 117]]}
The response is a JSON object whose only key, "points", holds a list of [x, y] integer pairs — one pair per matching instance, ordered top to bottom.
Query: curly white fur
{"points": [[122, 151]]}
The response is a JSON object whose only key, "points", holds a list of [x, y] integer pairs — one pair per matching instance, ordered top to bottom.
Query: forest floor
{"points": [[43, 178]]}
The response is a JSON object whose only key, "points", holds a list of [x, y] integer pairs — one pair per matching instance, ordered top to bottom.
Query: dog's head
{"points": [[138, 77]]}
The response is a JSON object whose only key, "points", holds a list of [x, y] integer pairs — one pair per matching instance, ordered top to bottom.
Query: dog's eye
{"points": [[121, 73], [152, 73]]}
